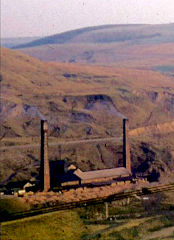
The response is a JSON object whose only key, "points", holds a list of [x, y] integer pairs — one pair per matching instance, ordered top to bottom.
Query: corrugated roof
{"points": [[113, 172]]}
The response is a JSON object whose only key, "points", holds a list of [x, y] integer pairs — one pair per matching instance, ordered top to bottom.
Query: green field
{"points": [[153, 219], [63, 225]]}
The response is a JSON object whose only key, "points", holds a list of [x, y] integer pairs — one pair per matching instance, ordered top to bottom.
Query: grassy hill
{"points": [[109, 34], [136, 45], [82, 101], [125, 222], [62, 225]]}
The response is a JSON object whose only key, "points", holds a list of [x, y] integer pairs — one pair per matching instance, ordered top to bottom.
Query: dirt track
{"points": [[73, 142]]}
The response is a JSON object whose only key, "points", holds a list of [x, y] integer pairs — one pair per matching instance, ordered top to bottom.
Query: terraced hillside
{"points": [[82, 101]]}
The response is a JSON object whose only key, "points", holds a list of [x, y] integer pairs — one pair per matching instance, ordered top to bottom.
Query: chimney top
{"points": [[45, 125]]}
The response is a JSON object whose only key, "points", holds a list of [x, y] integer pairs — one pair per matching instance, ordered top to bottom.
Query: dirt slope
{"points": [[81, 101]]}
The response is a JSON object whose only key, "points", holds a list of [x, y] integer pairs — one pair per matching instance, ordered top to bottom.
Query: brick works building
{"points": [[73, 176]]}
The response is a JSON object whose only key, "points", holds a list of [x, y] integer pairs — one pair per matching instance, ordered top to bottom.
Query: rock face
{"points": [[84, 110], [95, 114], [89, 116], [152, 161]]}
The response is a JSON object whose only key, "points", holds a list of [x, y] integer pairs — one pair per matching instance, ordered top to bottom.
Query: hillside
{"points": [[108, 34], [12, 42], [139, 46], [82, 101], [125, 221]]}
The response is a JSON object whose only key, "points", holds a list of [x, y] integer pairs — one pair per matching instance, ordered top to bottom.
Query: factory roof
{"points": [[105, 173]]}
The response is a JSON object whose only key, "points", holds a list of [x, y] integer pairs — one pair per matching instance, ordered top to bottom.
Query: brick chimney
{"points": [[126, 147], [44, 162]]}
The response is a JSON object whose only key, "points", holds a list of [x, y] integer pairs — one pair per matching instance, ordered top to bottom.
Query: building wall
{"points": [[97, 180]]}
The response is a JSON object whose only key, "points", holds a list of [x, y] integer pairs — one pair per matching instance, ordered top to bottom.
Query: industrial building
{"points": [[73, 176]]}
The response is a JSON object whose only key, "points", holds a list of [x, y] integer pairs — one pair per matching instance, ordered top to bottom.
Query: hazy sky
{"points": [[21, 18]]}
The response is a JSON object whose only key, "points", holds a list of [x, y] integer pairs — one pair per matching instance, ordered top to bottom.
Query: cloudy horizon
{"points": [[44, 17]]}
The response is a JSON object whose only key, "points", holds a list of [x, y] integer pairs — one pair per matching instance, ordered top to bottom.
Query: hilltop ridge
{"points": [[108, 34], [136, 45]]}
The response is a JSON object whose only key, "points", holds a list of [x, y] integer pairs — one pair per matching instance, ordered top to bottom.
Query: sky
{"points": [[28, 18]]}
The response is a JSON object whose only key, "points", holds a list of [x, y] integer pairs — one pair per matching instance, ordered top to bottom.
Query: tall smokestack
{"points": [[126, 147], [44, 168]]}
